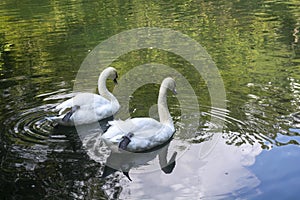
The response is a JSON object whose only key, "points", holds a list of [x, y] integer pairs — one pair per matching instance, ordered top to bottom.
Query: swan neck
{"points": [[102, 89], [104, 92], [163, 111]]}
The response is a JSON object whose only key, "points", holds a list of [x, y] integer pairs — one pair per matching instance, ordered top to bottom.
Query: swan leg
{"points": [[70, 113], [125, 141]]}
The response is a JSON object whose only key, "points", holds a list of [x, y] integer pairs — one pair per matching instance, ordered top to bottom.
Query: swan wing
{"points": [[83, 99], [89, 99], [84, 108], [92, 108], [135, 125], [147, 133], [149, 138]]}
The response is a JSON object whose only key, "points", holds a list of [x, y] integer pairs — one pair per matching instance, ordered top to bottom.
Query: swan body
{"points": [[86, 108], [141, 134]]}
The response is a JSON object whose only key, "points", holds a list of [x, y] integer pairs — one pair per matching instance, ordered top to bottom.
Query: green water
{"points": [[255, 47]]}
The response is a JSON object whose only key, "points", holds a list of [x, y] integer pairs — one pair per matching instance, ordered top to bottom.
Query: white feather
{"points": [[90, 107], [147, 132]]}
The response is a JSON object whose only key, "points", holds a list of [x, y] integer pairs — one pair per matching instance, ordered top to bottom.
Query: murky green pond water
{"points": [[243, 144]]}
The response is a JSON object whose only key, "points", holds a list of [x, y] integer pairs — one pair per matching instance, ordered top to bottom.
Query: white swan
{"points": [[86, 108], [140, 134]]}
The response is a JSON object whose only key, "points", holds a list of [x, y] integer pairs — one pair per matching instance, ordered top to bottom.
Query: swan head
{"points": [[112, 74], [170, 84]]}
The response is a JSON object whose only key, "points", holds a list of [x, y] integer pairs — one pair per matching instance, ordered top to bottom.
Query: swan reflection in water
{"points": [[124, 161]]}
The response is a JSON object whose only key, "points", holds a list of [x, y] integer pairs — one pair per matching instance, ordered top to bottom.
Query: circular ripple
{"points": [[29, 126]]}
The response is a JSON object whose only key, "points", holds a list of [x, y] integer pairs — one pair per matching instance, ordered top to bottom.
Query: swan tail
{"points": [[61, 108], [70, 113], [49, 119], [54, 120], [115, 122]]}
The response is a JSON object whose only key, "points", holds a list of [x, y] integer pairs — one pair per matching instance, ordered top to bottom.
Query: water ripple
{"points": [[29, 126]]}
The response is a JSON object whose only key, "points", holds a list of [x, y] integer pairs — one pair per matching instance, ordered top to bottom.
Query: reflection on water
{"points": [[256, 48], [126, 161], [221, 174]]}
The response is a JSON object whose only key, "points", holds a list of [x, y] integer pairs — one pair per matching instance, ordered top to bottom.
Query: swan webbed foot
{"points": [[70, 113], [125, 141]]}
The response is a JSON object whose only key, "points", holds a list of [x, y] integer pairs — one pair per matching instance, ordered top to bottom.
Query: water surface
{"points": [[255, 46]]}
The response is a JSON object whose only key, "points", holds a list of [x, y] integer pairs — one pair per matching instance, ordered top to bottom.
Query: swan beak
{"points": [[115, 81], [174, 91]]}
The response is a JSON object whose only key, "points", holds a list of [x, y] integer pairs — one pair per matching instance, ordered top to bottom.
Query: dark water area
{"points": [[244, 145]]}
